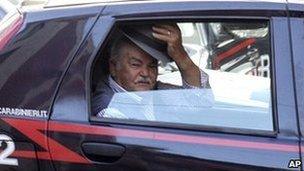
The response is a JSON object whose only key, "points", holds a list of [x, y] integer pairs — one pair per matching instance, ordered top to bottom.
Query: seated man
{"points": [[134, 68]]}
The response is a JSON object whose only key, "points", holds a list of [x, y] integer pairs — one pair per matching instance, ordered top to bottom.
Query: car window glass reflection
{"points": [[209, 73]]}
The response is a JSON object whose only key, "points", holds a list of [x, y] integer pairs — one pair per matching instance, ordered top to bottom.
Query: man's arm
{"points": [[171, 34], [204, 78]]}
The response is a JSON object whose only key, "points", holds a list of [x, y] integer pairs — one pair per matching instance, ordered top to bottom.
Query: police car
{"points": [[53, 54]]}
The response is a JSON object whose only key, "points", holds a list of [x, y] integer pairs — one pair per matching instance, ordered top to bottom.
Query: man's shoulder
{"points": [[103, 87], [102, 96]]}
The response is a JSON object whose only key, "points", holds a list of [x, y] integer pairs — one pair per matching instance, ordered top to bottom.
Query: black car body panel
{"points": [[44, 37], [46, 68]]}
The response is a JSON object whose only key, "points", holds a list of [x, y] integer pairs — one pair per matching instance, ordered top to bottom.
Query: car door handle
{"points": [[103, 152]]}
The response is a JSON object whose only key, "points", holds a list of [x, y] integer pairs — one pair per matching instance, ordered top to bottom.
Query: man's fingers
{"points": [[167, 26], [172, 28], [161, 31], [170, 33], [161, 37]]}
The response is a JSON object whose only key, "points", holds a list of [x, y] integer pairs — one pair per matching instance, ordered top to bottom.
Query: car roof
{"points": [[61, 3], [64, 3], [294, 5]]}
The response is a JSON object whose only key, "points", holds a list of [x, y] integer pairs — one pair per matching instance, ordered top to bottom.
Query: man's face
{"points": [[134, 70]]}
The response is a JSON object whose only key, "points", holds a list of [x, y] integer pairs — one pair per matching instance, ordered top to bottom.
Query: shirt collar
{"points": [[114, 86], [118, 89]]}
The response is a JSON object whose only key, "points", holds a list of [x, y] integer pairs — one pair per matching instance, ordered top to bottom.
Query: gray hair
{"points": [[117, 46]]}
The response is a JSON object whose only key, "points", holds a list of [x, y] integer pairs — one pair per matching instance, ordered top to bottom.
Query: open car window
{"points": [[234, 55]]}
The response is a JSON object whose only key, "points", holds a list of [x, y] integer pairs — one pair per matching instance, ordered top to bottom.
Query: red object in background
{"points": [[235, 49]]}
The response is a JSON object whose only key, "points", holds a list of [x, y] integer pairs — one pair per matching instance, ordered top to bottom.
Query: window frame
{"points": [[180, 126]]}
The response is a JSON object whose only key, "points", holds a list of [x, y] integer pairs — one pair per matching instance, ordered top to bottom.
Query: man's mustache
{"points": [[144, 80]]}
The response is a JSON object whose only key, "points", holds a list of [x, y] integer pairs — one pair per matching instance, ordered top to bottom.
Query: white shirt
{"points": [[148, 110]]}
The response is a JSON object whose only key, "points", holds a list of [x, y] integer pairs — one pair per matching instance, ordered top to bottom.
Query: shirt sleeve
{"points": [[204, 78], [111, 113]]}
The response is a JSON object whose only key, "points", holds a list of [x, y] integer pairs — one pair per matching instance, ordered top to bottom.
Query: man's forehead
{"points": [[133, 52], [142, 59]]}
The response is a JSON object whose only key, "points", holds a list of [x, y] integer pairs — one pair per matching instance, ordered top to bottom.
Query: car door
{"points": [[296, 31], [91, 143]]}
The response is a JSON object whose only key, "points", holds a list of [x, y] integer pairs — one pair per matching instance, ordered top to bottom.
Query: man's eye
{"points": [[135, 64]]}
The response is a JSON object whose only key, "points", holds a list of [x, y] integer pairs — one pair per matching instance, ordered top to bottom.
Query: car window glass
{"points": [[2, 13], [233, 60]]}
